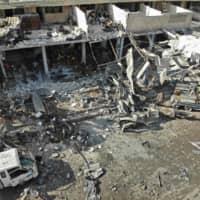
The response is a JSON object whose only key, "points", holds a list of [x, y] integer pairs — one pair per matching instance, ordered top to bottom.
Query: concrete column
{"points": [[43, 15], [151, 38], [118, 44], [121, 47], [44, 56], [83, 59], [2, 66]]}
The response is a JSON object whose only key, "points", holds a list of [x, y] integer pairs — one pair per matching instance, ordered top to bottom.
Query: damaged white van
{"points": [[16, 168]]}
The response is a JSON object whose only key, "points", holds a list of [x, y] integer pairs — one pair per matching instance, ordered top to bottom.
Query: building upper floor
{"points": [[95, 22]]}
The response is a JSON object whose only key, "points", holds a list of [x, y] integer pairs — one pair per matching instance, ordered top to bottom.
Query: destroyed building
{"points": [[38, 27], [84, 76]]}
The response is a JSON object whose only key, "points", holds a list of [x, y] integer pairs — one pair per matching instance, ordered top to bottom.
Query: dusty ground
{"points": [[159, 164], [153, 165]]}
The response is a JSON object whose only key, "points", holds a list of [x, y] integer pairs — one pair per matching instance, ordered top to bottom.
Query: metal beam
{"points": [[83, 59]]}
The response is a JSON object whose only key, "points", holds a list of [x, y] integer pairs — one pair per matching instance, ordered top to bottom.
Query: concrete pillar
{"points": [[183, 4], [43, 15], [151, 38], [118, 44], [121, 47], [44, 56], [83, 59], [2, 66]]}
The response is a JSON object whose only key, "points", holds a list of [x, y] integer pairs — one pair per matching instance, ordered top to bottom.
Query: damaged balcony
{"points": [[28, 32], [46, 34]]}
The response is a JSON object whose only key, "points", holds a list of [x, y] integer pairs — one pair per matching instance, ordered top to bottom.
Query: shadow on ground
{"points": [[54, 174]]}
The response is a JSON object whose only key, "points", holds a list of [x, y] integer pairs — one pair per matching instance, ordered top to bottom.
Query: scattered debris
{"points": [[92, 174], [31, 194]]}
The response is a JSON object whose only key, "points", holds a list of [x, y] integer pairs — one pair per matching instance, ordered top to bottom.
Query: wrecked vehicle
{"points": [[16, 168]]}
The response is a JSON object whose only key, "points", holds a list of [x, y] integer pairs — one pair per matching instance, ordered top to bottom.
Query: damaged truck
{"points": [[16, 168]]}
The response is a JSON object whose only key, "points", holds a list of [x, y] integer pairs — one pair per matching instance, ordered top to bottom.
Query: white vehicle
{"points": [[16, 168]]}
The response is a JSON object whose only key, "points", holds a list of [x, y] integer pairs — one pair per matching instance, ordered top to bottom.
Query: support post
{"points": [[43, 13], [151, 38], [118, 46], [121, 48], [44, 56], [83, 59], [2, 66]]}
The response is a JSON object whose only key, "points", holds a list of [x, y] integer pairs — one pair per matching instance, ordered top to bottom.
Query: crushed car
{"points": [[16, 168]]}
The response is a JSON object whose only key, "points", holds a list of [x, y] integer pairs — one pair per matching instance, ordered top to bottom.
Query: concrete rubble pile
{"points": [[9, 25], [189, 46], [164, 83], [35, 119], [92, 174]]}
